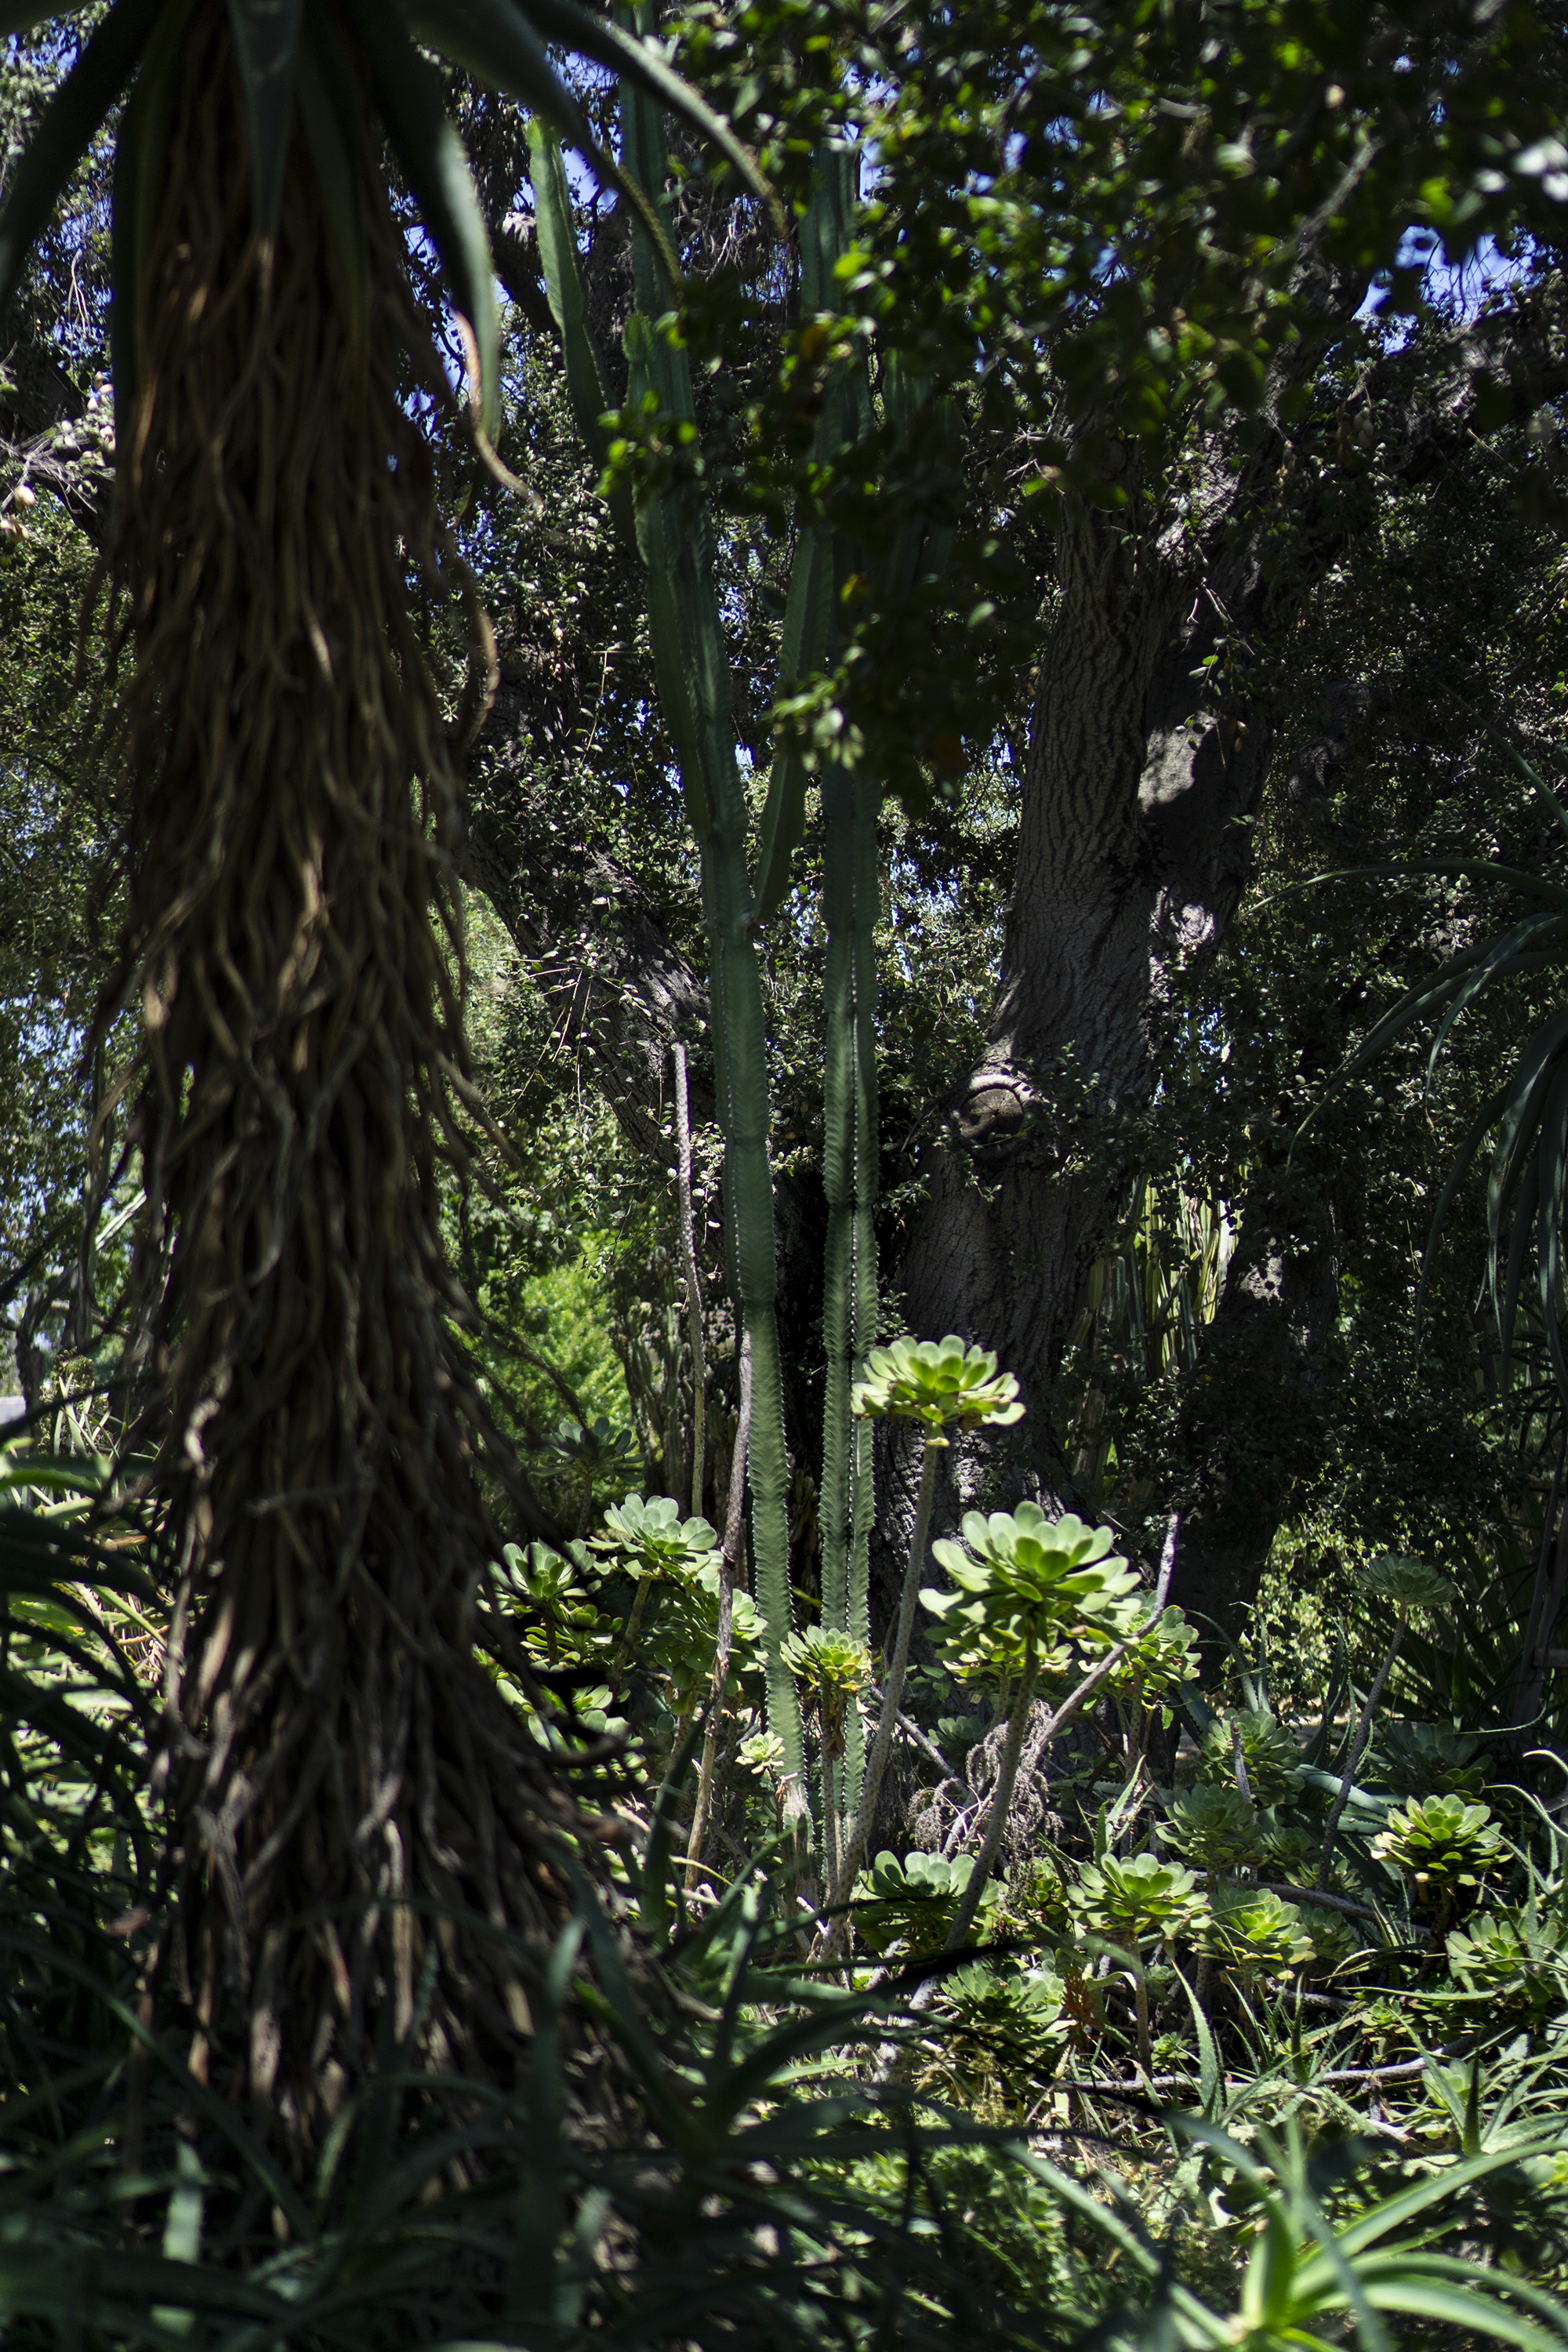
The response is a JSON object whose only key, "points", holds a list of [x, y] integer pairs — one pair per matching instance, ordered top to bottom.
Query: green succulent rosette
{"points": [[941, 1383], [653, 1538], [1022, 1581], [1407, 1583], [830, 1659], [1270, 1756], [1430, 1760], [1213, 1827], [1442, 1844], [1141, 1900], [910, 1903], [1252, 1933], [1516, 1959]]}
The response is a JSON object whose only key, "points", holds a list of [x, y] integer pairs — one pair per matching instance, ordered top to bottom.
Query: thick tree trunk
{"points": [[1133, 853], [1132, 856]]}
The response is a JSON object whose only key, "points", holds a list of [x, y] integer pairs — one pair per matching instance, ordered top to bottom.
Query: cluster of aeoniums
{"points": [[1031, 1593], [334, 1753]]}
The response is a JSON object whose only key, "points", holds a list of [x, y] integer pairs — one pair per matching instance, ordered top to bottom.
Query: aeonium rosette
{"points": [[1028, 1586]]}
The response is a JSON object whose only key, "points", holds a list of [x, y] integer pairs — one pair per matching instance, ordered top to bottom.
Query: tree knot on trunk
{"points": [[994, 1113]]}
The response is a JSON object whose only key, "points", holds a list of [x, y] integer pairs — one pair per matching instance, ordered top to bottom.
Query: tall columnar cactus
{"points": [[674, 535], [675, 538], [851, 798], [850, 801], [849, 1178]]}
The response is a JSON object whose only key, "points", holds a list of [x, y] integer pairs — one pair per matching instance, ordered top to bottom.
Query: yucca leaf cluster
{"points": [[295, 63]]}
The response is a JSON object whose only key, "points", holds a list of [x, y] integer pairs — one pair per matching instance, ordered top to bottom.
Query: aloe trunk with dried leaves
{"points": [[344, 1781]]}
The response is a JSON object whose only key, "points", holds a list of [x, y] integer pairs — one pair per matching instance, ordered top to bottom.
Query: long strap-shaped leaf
{"points": [[496, 40], [266, 42], [325, 93], [410, 101], [71, 120], [140, 159], [585, 387], [674, 536], [810, 605], [1499, 960]]}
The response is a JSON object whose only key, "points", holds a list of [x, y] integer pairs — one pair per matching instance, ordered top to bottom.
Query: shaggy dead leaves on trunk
{"points": [[361, 1829]]}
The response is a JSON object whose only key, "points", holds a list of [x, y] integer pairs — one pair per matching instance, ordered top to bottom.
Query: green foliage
{"points": [[1528, 1174], [1408, 1583], [1159, 1657], [831, 1661], [838, 1668], [1431, 1760], [1517, 1955], [1006, 2027], [752, 2187]]}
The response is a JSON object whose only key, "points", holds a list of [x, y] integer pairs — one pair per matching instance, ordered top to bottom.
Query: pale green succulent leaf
{"points": [[943, 1385]]}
